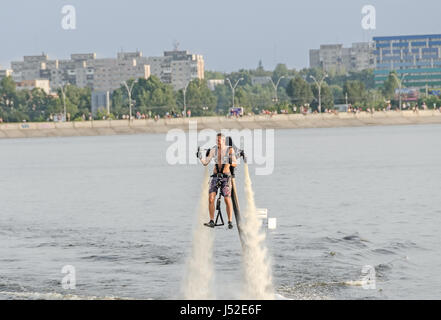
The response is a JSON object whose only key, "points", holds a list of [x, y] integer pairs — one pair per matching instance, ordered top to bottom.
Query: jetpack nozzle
{"points": [[242, 154]]}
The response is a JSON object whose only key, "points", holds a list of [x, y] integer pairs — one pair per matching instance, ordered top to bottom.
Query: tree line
{"points": [[151, 97]]}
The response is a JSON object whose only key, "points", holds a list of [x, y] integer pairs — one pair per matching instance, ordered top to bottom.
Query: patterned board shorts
{"points": [[225, 186]]}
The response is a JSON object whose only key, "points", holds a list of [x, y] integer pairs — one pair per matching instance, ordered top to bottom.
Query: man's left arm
{"points": [[233, 158]]}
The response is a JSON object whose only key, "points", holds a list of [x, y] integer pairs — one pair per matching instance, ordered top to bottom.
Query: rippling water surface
{"points": [[116, 211]]}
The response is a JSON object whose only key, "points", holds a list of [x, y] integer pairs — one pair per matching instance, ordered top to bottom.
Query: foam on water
{"points": [[257, 268], [198, 280], [25, 295]]}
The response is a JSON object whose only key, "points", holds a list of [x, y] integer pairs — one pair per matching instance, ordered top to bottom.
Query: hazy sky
{"points": [[230, 34]]}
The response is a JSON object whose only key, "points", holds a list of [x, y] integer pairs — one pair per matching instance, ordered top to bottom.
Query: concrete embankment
{"points": [[291, 121]]}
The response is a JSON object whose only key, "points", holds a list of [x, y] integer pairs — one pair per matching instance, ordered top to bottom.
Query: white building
{"points": [[335, 57], [176, 67], [85, 70], [5, 73], [110, 73], [260, 80], [213, 83], [32, 84], [100, 101]]}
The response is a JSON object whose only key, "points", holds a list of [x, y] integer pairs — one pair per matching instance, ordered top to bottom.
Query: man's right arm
{"points": [[207, 159]]}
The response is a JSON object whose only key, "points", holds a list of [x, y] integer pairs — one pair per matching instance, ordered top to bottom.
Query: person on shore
{"points": [[225, 159]]}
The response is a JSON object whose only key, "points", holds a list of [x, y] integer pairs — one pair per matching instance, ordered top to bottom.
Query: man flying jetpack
{"points": [[225, 155]]}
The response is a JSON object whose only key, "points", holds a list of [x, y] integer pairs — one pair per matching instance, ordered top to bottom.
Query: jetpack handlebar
{"points": [[199, 152], [238, 152], [242, 155]]}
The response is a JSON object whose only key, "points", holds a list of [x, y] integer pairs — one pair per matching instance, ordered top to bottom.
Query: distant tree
{"points": [[260, 71], [279, 71], [317, 73], [244, 74], [210, 75], [365, 76], [339, 78], [390, 85], [299, 91], [152, 92], [356, 92], [337, 93], [8, 94], [149, 96], [199, 98], [223, 98], [254, 98], [327, 98], [375, 99], [78, 100], [430, 100], [117, 102], [34, 103]]}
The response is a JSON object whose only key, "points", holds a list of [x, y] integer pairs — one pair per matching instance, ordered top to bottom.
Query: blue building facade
{"points": [[416, 59]]}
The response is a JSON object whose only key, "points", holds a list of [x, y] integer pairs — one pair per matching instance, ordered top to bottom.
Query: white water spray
{"points": [[257, 267], [198, 281]]}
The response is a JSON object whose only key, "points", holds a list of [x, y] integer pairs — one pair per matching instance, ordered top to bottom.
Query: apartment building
{"points": [[336, 58], [176, 67], [85, 70], [5, 73], [110, 73], [213, 83], [32, 84]]}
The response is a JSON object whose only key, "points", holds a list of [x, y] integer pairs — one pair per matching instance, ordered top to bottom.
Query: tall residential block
{"points": [[336, 58], [176, 68]]}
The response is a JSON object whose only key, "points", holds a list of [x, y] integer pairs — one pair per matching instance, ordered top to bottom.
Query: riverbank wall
{"points": [[281, 121]]}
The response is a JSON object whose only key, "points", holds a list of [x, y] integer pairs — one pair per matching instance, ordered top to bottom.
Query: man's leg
{"points": [[212, 192], [226, 192], [211, 200], [229, 205]]}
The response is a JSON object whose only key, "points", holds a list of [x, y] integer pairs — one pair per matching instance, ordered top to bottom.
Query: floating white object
{"points": [[262, 213], [272, 223]]}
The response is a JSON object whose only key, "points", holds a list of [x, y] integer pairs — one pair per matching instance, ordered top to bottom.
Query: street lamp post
{"points": [[400, 84], [276, 86], [319, 86], [233, 88], [63, 92], [129, 93], [185, 101]]}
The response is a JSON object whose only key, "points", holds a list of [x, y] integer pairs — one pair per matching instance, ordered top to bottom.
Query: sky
{"points": [[230, 34]]}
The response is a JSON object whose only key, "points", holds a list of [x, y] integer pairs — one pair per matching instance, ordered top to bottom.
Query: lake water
{"points": [[111, 206]]}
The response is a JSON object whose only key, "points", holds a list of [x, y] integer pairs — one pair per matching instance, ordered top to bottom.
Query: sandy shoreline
{"points": [[291, 121]]}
